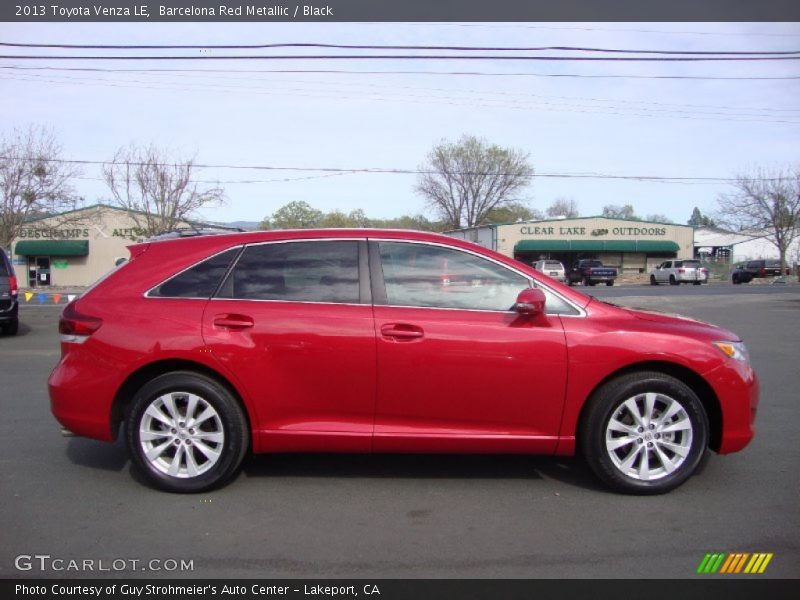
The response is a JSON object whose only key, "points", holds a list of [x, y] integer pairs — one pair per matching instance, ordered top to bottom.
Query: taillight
{"points": [[589, 271], [762, 272], [12, 285], [75, 327]]}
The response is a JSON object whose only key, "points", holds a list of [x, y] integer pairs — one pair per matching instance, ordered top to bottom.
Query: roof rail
{"points": [[193, 231]]}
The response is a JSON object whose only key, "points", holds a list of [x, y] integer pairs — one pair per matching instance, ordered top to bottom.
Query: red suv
{"points": [[207, 348]]}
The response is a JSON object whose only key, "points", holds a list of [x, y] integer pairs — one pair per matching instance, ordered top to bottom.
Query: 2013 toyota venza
{"points": [[207, 348]]}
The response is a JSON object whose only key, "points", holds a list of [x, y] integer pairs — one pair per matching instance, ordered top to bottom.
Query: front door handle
{"points": [[233, 321], [401, 331]]}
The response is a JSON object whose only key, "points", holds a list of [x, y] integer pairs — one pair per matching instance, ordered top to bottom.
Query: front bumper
{"points": [[736, 387]]}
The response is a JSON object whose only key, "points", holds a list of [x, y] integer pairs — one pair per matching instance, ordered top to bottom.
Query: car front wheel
{"points": [[653, 280], [186, 432], [644, 433]]}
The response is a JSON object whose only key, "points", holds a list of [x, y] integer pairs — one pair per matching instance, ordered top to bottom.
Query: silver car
{"points": [[551, 268], [676, 272]]}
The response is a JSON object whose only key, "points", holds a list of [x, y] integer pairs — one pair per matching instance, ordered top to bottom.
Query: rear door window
{"points": [[308, 271]]}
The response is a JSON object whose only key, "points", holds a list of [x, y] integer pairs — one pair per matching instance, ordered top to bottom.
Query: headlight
{"points": [[735, 350]]}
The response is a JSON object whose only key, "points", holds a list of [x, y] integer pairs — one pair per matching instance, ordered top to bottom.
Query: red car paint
{"points": [[378, 378]]}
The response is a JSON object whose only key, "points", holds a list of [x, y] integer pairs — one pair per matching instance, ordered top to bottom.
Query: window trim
{"points": [[379, 286]]}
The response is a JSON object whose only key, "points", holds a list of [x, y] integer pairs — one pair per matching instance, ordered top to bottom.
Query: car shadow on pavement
{"points": [[98, 455], [423, 466]]}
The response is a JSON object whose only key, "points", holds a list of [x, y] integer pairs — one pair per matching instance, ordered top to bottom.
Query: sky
{"points": [[629, 125]]}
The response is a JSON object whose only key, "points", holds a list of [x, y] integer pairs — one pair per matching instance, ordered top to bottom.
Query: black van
{"points": [[9, 321]]}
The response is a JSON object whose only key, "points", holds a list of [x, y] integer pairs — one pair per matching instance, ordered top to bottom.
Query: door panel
{"points": [[310, 368], [482, 381]]}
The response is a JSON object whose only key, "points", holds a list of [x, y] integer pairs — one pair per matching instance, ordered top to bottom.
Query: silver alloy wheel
{"points": [[181, 435], [649, 436]]}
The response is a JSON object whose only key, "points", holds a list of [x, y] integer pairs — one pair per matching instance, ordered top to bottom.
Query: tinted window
{"points": [[691, 264], [772, 264], [552, 265], [325, 271], [423, 275], [200, 281]]}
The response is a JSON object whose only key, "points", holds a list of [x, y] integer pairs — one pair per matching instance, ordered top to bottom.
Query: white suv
{"points": [[552, 268], [679, 271]]}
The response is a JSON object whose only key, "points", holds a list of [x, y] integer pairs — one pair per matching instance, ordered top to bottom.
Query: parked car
{"points": [[551, 268], [590, 271], [680, 271], [745, 272], [740, 274], [9, 305], [362, 340]]}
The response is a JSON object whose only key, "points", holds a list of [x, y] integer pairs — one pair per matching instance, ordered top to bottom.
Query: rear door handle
{"points": [[232, 321], [401, 331]]}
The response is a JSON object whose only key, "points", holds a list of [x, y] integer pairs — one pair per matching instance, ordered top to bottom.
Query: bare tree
{"points": [[33, 180], [463, 181], [159, 191], [765, 203], [563, 207], [616, 211]]}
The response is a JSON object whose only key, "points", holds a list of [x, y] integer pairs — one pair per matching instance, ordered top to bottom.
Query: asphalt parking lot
{"points": [[408, 516]]}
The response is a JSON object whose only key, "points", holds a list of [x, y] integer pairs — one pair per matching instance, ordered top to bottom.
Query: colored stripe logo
{"points": [[734, 563]]}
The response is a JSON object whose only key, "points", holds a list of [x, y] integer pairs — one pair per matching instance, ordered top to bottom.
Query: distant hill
{"points": [[242, 224]]}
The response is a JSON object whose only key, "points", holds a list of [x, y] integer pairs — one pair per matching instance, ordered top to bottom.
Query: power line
{"points": [[388, 47], [249, 57], [433, 73], [484, 102], [392, 171]]}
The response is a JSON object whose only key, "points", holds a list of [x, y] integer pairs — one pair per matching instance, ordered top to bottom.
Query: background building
{"points": [[718, 245], [632, 246], [74, 248]]}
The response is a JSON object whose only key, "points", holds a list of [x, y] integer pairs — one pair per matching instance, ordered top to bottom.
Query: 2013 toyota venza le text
{"points": [[386, 341]]}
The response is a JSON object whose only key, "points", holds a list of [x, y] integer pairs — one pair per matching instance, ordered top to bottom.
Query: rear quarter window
{"points": [[199, 281]]}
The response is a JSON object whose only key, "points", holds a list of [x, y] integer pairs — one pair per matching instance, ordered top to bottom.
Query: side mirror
{"points": [[530, 302]]}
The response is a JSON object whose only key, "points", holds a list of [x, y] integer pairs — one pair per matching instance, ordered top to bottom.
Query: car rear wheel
{"points": [[672, 280], [610, 282], [11, 328], [186, 432], [644, 433]]}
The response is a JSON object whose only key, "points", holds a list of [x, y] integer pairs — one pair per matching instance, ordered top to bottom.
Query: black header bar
{"points": [[399, 10]]}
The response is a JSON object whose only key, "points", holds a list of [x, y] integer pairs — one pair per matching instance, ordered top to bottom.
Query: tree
{"points": [[463, 181], [33, 183], [158, 191], [765, 203], [563, 207], [616, 211], [511, 213], [294, 215], [658, 218], [698, 219]]}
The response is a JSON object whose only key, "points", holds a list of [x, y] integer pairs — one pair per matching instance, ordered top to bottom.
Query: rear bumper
{"points": [[82, 394]]}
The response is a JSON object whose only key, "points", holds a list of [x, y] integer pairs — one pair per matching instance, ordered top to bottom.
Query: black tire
{"points": [[653, 280], [672, 280], [735, 280], [587, 282], [697, 282], [609, 283], [11, 328], [228, 421], [609, 464]]}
